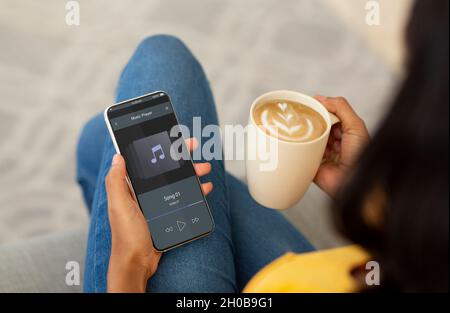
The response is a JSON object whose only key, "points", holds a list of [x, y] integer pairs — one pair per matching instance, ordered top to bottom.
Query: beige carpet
{"points": [[54, 77]]}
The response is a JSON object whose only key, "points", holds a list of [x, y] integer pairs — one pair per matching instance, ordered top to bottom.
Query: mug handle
{"points": [[334, 119]]}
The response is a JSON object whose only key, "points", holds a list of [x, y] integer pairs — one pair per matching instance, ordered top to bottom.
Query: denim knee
{"points": [[161, 40], [170, 51], [162, 62]]}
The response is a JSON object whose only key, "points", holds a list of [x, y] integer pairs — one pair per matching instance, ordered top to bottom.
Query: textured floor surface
{"points": [[54, 77]]}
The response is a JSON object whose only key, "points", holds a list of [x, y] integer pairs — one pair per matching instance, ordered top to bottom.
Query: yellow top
{"points": [[321, 271]]}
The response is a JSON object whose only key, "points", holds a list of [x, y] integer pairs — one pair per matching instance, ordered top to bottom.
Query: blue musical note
{"points": [[160, 151]]}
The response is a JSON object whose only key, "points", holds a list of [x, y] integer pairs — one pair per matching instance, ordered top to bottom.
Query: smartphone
{"points": [[167, 189]]}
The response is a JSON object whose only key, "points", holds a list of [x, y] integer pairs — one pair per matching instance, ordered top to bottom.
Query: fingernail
{"points": [[320, 97], [115, 159]]}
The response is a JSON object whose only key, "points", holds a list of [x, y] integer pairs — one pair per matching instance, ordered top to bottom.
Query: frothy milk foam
{"points": [[289, 120]]}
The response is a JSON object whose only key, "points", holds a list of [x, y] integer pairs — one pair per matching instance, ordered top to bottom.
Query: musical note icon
{"points": [[157, 150]]}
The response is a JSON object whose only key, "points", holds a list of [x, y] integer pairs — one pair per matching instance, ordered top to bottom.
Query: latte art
{"points": [[289, 120]]}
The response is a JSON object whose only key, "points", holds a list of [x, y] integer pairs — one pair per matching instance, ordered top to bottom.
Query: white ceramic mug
{"points": [[284, 184]]}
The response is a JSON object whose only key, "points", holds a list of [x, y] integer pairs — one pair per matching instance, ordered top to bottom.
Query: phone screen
{"points": [[166, 188]]}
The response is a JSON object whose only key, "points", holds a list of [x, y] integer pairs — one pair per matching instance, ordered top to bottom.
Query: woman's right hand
{"points": [[347, 140]]}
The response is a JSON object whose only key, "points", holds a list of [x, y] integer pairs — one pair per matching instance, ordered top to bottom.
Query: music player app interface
{"points": [[150, 155], [167, 189]]}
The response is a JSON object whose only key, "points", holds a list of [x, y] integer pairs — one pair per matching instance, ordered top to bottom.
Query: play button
{"points": [[181, 225]]}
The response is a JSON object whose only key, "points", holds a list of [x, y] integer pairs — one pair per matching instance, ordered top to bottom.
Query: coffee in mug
{"points": [[289, 120], [296, 127]]}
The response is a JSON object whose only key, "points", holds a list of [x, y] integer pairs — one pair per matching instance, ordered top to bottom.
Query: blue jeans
{"points": [[247, 236]]}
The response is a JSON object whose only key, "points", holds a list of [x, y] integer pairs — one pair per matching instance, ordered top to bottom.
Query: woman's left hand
{"points": [[133, 258]]}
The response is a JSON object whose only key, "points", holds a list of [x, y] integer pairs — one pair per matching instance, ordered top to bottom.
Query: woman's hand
{"points": [[347, 139], [133, 258]]}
